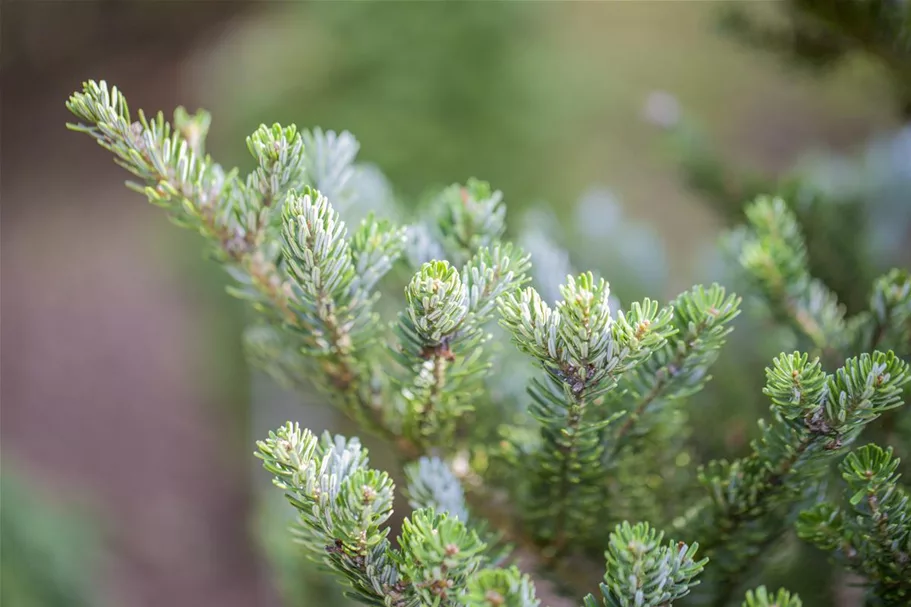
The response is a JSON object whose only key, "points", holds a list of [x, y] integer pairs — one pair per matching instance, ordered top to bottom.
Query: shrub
{"points": [[593, 460]]}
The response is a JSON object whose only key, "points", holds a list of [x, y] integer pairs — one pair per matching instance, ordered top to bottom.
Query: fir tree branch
{"points": [[280, 156], [196, 192], [467, 218], [241, 221], [773, 253], [319, 283], [332, 301], [437, 305], [887, 326], [442, 334], [583, 352], [680, 368], [610, 385], [814, 417], [343, 506], [871, 531], [438, 555], [643, 572], [500, 588], [763, 598]]}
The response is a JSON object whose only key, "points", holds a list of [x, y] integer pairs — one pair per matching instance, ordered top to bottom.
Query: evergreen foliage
{"points": [[819, 34], [817, 238], [607, 401], [815, 417], [869, 530], [49, 552], [643, 571], [763, 598]]}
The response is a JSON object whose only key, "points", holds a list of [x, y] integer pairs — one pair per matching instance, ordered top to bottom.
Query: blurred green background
{"points": [[125, 396]]}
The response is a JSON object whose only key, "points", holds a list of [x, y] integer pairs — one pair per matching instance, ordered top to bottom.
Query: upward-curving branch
{"points": [[574, 474]]}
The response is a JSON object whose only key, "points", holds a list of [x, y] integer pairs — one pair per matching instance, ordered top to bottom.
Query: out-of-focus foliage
{"points": [[822, 34], [455, 84], [50, 555]]}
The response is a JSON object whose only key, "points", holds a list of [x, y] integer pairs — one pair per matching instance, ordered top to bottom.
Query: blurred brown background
{"points": [[110, 391], [124, 393]]}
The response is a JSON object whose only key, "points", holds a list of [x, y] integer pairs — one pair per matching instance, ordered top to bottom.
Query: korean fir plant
{"points": [[820, 238], [783, 282], [515, 488], [868, 529]]}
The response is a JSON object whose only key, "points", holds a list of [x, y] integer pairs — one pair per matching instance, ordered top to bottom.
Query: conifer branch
{"points": [[280, 156], [196, 192], [467, 218], [773, 253], [278, 254], [319, 282], [333, 306], [887, 325], [442, 335], [584, 353], [679, 369], [607, 402], [814, 418], [343, 506], [869, 531], [438, 555], [643, 572], [500, 588], [763, 598]]}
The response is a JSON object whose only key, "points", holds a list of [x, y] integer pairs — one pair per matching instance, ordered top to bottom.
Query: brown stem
{"points": [[440, 355], [568, 450]]}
